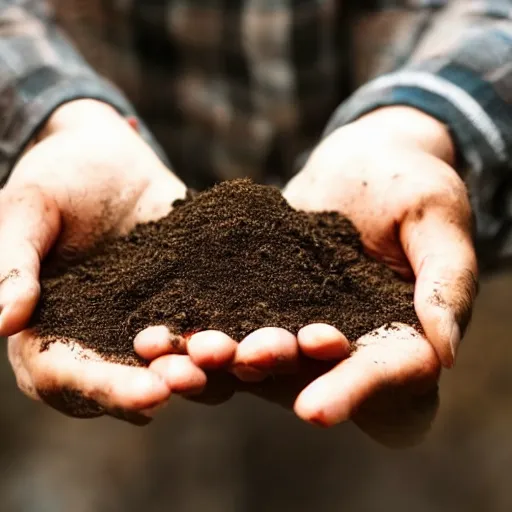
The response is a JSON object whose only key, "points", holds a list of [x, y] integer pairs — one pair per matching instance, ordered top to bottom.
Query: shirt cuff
{"points": [[477, 117]]}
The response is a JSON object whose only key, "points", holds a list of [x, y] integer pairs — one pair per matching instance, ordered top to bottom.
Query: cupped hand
{"points": [[391, 173], [88, 176], [387, 385]]}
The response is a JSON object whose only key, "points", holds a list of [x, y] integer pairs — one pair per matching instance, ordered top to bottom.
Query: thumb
{"points": [[29, 225], [439, 246]]}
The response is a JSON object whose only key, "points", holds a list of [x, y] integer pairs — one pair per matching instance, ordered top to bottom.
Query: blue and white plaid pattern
{"points": [[244, 87]]}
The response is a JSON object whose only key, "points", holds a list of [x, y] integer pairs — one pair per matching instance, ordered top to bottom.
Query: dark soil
{"points": [[234, 258]]}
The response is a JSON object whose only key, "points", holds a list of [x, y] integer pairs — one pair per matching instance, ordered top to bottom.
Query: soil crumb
{"points": [[235, 258]]}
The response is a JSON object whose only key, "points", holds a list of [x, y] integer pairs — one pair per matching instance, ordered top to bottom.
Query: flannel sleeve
{"points": [[39, 71], [460, 72]]}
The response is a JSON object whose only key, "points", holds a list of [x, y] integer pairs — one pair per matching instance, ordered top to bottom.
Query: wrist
{"points": [[78, 115], [410, 127]]}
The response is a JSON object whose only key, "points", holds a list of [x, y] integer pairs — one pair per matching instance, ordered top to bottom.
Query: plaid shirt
{"points": [[238, 87]]}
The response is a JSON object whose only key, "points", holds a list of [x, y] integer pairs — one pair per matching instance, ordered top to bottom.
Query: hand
{"points": [[390, 173], [87, 176], [413, 213]]}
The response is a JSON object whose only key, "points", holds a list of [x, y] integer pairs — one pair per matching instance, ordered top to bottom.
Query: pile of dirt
{"points": [[234, 258]]}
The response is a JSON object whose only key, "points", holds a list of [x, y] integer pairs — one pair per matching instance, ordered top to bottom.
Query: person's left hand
{"points": [[391, 173], [414, 215]]}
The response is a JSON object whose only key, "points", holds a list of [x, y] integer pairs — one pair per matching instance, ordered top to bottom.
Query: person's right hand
{"points": [[90, 175]]}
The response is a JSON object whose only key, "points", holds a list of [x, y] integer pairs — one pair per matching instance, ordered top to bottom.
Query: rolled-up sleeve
{"points": [[461, 74]]}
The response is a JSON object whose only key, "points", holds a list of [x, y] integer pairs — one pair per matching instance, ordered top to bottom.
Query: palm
{"points": [[351, 182], [98, 187], [73, 189], [412, 212]]}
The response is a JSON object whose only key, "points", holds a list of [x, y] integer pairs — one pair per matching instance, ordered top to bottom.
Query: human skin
{"points": [[392, 173], [89, 175]]}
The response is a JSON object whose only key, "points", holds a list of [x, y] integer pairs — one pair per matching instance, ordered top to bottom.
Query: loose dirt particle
{"points": [[234, 258]]}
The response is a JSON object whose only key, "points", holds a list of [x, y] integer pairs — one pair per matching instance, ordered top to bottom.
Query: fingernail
{"points": [[3, 315], [455, 338], [247, 373], [151, 411], [319, 421]]}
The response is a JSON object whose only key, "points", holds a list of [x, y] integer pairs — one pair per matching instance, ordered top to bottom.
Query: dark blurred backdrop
{"points": [[250, 456]]}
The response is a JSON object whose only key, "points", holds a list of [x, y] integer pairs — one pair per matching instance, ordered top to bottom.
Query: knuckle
{"points": [[31, 194], [455, 195], [449, 197], [28, 202], [456, 294], [25, 383]]}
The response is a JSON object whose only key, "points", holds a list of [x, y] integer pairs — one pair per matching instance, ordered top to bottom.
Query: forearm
{"points": [[41, 71]]}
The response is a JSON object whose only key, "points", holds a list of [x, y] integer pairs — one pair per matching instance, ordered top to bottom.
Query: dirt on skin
{"points": [[234, 258]]}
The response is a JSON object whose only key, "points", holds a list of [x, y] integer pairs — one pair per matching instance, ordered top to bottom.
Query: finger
{"points": [[29, 224], [441, 253], [156, 341], [324, 342], [211, 349], [264, 351], [396, 357], [179, 373], [77, 375], [23, 377], [139, 418]]}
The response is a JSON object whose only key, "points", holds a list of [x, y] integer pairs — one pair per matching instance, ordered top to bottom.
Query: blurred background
{"points": [[248, 455]]}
